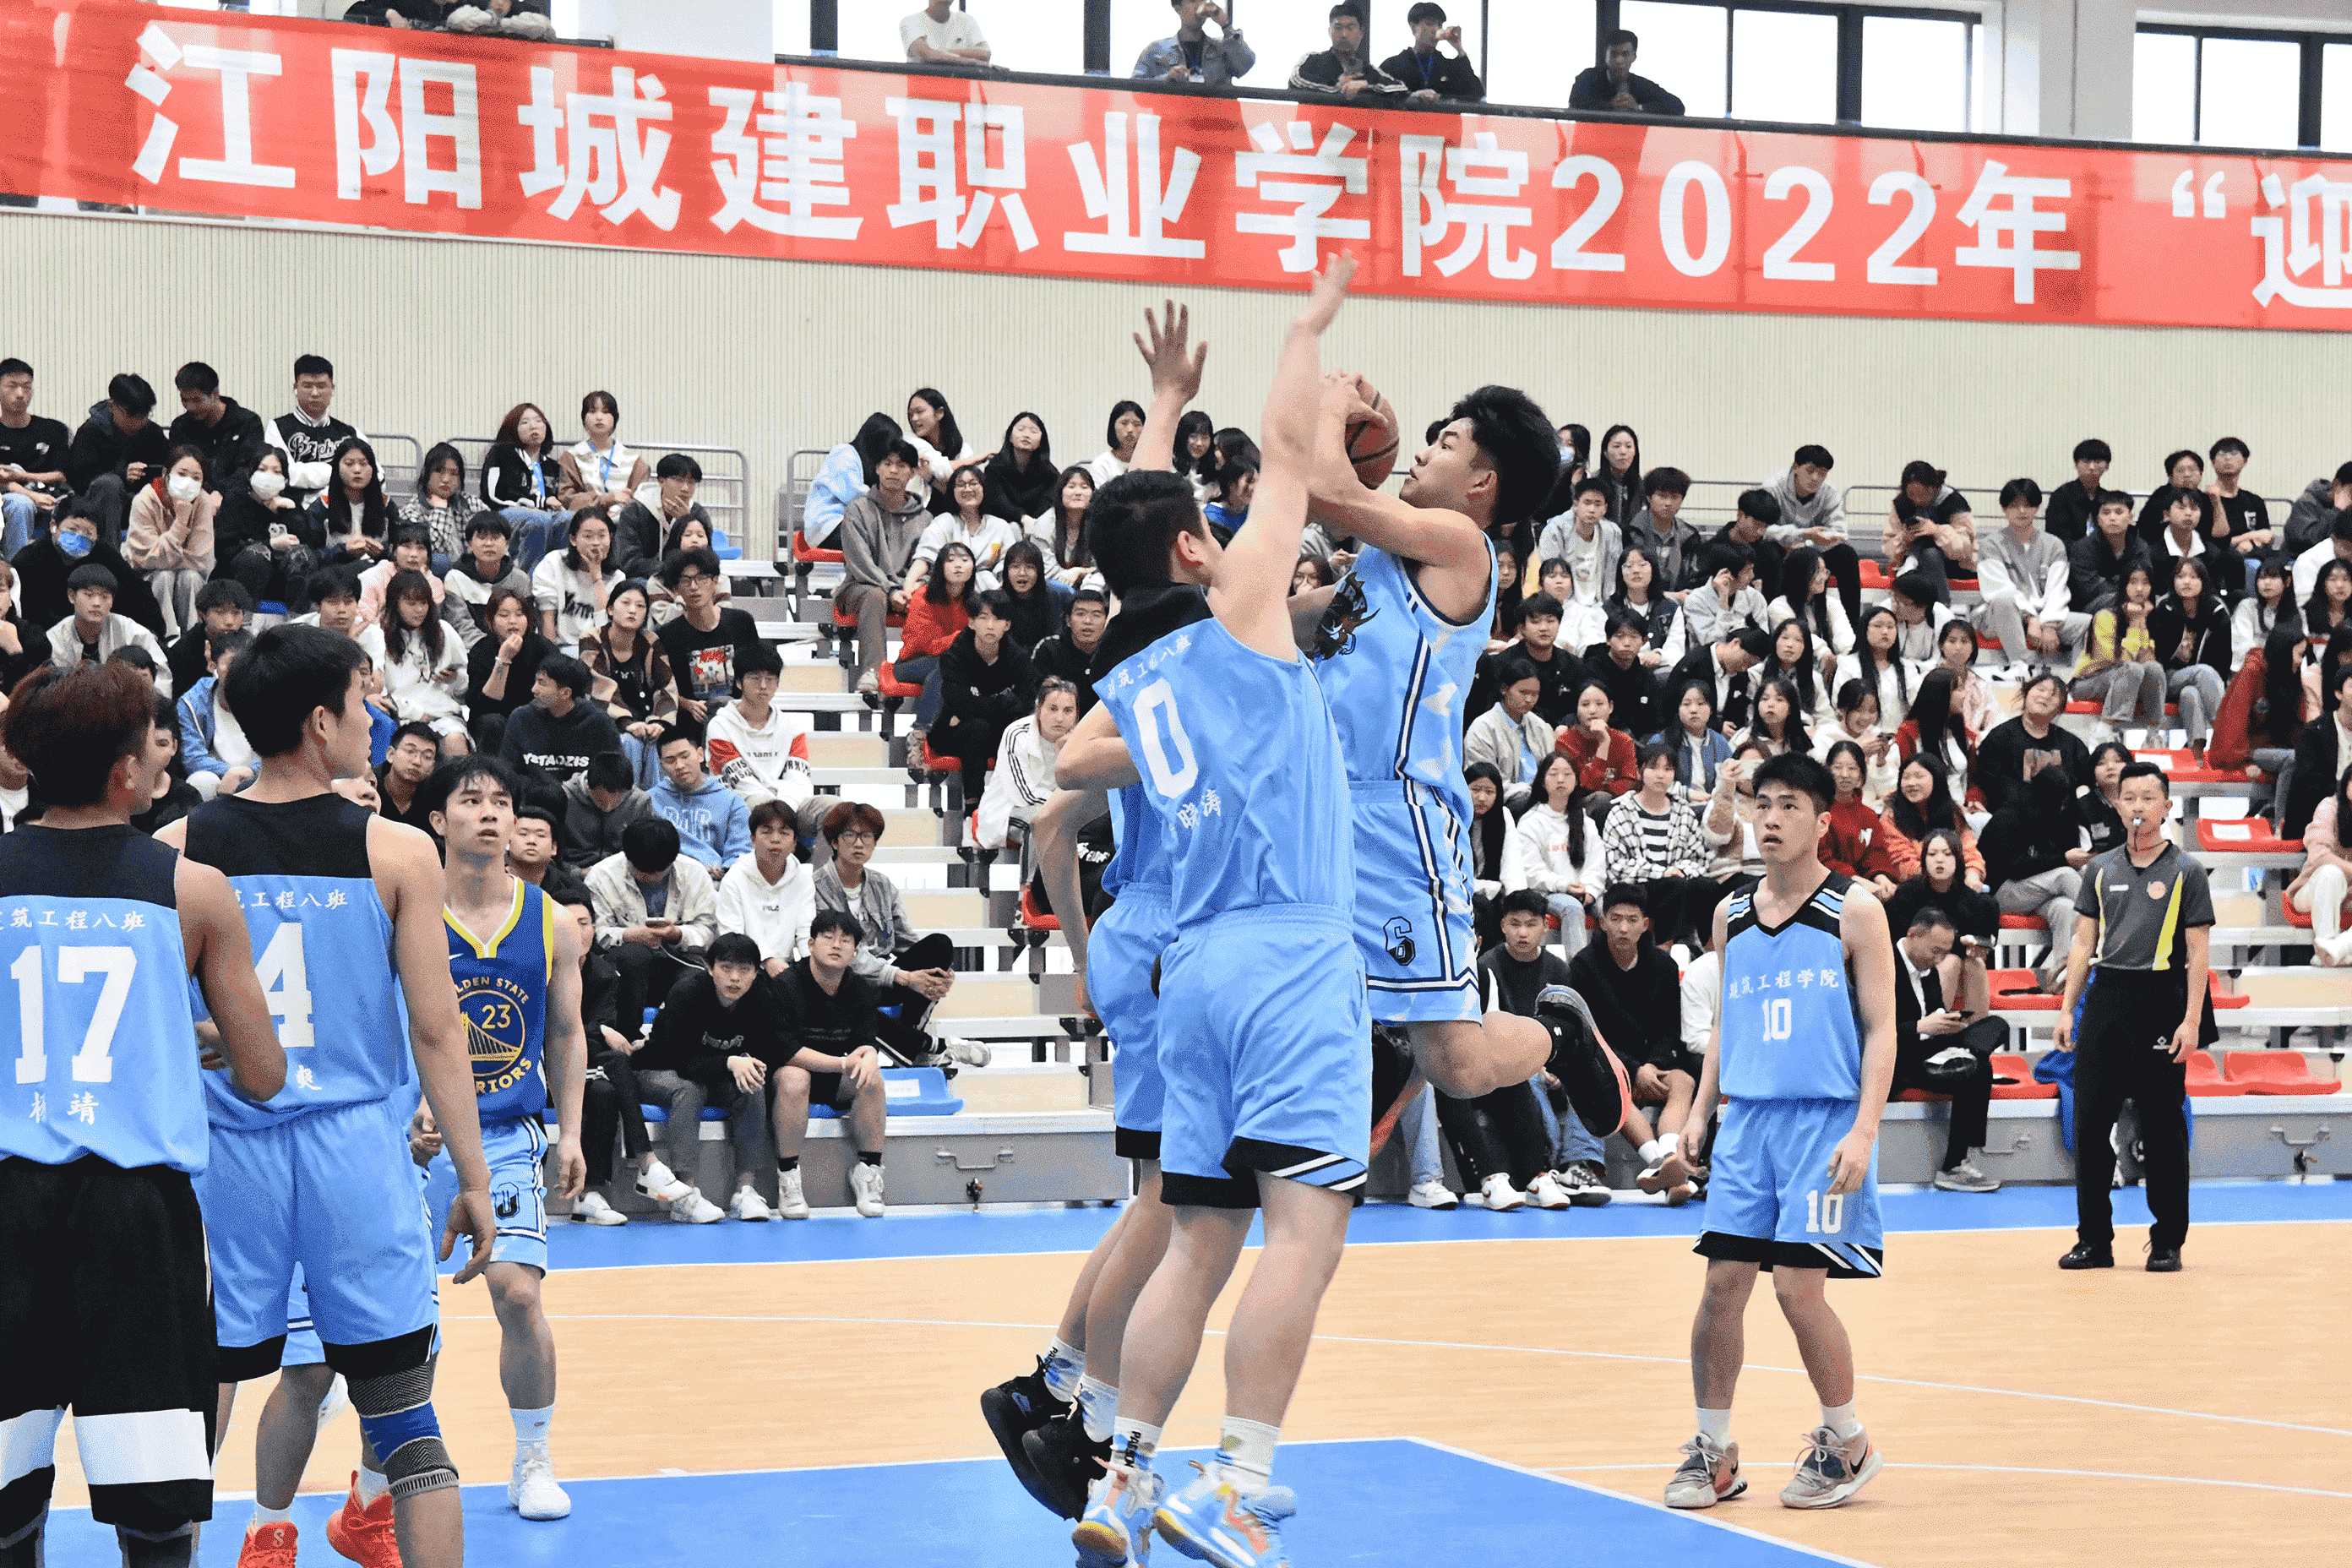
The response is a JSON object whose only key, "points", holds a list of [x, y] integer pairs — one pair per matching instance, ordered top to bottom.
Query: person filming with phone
{"points": [[1946, 1047]]}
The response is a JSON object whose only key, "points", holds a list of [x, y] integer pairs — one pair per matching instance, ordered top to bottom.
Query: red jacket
{"points": [[930, 627], [1604, 769], [1856, 844]]}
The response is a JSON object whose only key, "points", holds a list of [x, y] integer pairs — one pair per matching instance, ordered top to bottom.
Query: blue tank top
{"points": [[1397, 672], [1242, 769], [1139, 848], [321, 949], [502, 985], [1789, 1030], [101, 1034]]}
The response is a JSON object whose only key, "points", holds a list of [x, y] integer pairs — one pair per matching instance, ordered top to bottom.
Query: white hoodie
{"points": [[770, 763], [776, 915]]}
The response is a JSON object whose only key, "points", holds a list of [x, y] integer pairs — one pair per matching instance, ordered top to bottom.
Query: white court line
{"points": [[1449, 1345], [2024, 1471], [1693, 1515]]}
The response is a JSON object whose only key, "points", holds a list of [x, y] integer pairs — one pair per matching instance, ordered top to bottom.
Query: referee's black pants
{"points": [[2123, 1051]]}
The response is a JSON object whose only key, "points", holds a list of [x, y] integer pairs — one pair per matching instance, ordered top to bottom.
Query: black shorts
{"points": [[824, 1089], [1135, 1144], [106, 1311]]}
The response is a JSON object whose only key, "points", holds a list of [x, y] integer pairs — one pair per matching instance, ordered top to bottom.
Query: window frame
{"points": [[2310, 74]]}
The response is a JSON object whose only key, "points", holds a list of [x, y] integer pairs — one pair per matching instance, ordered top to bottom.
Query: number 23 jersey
{"points": [[502, 984], [1789, 1030]]}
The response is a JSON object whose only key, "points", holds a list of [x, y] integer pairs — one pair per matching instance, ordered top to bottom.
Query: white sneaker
{"points": [[868, 683], [965, 1053], [658, 1182], [865, 1189], [1431, 1192], [1545, 1193], [1500, 1195], [791, 1203], [747, 1204], [592, 1209], [696, 1209], [532, 1491]]}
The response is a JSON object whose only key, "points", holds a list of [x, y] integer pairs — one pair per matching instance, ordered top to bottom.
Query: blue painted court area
{"points": [[654, 1242], [1442, 1507]]}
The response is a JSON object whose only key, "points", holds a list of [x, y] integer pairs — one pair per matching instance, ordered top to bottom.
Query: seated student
{"points": [[2184, 474], [521, 478], [2073, 503], [441, 506], [1812, 514], [1753, 518], [640, 527], [1930, 529], [2182, 534], [2251, 537], [170, 538], [263, 538], [1585, 538], [70, 543], [1676, 550], [405, 552], [2096, 562], [486, 566], [2023, 581], [573, 585], [1641, 598], [1806, 598], [1728, 601], [334, 604], [222, 606], [1036, 610], [1919, 620], [2191, 628], [94, 633], [706, 643], [1065, 655], [417, 659], [1877, 663], [503, 667], [1626, 667], [1557, 669], [2121, 669], [1725, 671], [632, 677], [985, 684], [1857, 721], [1777, 725], [552, 737], [1511, 737], [755, 748], [1699, 749], [2016, 749], [2322, 751], [1603, 754], [219, 759], [408, 761], [1023, 779], [1923, 804], [598, 807], [712, 822], [1490, 823], [1654, 840], [1855, 844], [1555, 850], [530, 853], [2033, 857], [1940, 875], [2324, 882], [770, 896], [656, 911], [914, 974], [1927, 975], [1634, 996], [827, 1018], [711, 1044], [611, 1106], [1499, 1139]]}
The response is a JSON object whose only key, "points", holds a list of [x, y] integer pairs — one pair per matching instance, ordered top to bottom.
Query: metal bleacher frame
{"points": [[725, 492]]}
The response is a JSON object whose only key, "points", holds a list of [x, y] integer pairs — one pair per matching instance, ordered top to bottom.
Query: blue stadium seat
{"points": [[911, 1092]]}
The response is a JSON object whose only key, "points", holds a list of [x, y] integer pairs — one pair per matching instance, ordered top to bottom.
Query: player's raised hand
{"points": [[1330, 292], [1174, 360], [1850, 1161], [469, 1217]]}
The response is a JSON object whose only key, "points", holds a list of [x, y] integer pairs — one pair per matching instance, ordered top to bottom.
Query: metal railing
{"points": [[725, 492]]}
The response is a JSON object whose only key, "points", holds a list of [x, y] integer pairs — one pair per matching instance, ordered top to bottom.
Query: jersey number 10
{"points": [[1779, 1018]]}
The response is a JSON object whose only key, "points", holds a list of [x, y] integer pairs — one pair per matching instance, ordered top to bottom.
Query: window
{"points": [[1134, 24], [792, 27], [1282, 32], [1033, 35], [1535, 47], [1685, 49], [1784, 66], [1915, 73], [2235, 87], [2164, 88], [2248, 91], [2336, 98]]}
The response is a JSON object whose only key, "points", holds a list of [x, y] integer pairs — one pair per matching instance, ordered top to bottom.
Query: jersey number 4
{"points": [[1167, 753], [285, 986], [94, 1063]]}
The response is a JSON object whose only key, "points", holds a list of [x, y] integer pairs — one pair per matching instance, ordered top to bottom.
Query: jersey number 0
{"points": [[1172, 774]]}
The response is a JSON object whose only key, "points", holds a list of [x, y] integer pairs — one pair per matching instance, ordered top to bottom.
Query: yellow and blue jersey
{"points": [[502, 980]]}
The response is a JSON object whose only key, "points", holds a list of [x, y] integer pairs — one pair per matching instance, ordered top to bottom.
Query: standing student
{"points": [[2138, 970], [1803, 1073]]}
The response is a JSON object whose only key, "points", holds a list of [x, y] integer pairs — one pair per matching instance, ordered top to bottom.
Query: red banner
{"points": [[427, 133]]}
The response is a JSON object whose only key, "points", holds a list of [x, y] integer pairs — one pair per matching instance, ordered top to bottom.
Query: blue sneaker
{"points": [[1213, 1523], [1116, 1529]]}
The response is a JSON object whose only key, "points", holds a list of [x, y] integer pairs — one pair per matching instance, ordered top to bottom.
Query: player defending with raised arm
{"points": [[1396, 645], [344, 910], [1802, 1057], [104, 1302]]}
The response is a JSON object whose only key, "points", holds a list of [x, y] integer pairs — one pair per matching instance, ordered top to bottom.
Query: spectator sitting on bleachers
{"points": [[1192, 55], [1120, 433], [228, 435], [306, 436], [939, 445], [117, 448], [32, 457], [597, 469], [849, 470], [1020, 479], [521, 482], [2184, 485], [2075, 502], [441, 506], [1812, 514], [351, 516], [2309, 522], [965, 523], [640, 528], [1930, 529], [1059, 530], [694, 532], [2183, 533], [878, 535], [2251, 537], [1585, 538], [169, 539], [261, 539], [70, 542], [1677, 550], [409, 552], [2096, 562], [2308, 563], [487, 565], [573, 585], [1640, 597], [1806, 597], [335, 598], [2024, 601], [1725, 602], [222, 606], [2329, 608], [937, 615], [1919, 619], [2191, 628], [94, 633], [705, 642], [1065, 655], [418, 659], [1798, 662], [1876, 662], [1626, 665], [502, 667], [1725, 668], [2120, 668], [1557, 669], [632, 676], [985, 683], [1856, 711], [1777, 722], [1936, 724], [552, 737], [1511, 737], [755, 748], [1699, 749], [2016, 749], [213, 751], [2322, 753], [1603, 754], [408, 761], [1023, 779], [174, 796], [1923, 804], [598, 807], [2098, 809], [1728, 822], [713, 823], [1490, 827], [1654, 840], [1854, 844], [1555, 848], [532, 854], [2033, 859], [1940, 876], [2321, 887], [770, 896], [656, 911], [915, 973], [1633, 994], [828, 1017], [1927, 1028], [711, 1044], [1499, 1139]]}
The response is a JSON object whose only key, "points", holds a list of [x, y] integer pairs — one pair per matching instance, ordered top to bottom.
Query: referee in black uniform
{"points": [[2138, 966]]}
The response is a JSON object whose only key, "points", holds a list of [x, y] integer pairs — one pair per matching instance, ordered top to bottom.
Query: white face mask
{"points": [[267, 486], [184, 489]]}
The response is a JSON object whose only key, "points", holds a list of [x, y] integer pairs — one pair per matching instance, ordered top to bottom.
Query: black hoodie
{"points": [[232, 444], [99, 448], [557, 749], [694, 1032]]}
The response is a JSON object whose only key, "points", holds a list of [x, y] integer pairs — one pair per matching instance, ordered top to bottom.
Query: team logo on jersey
{"points": [[1335, 634], [2156, 891], [1397, 936], [492, 1007], [506, 1202]]}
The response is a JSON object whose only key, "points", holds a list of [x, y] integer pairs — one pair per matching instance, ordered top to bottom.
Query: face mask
{"points": [[267, 486], [181, 488], [74, 545]]}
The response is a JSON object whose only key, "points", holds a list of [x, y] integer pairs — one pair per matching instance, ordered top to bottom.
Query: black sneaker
{"points": [[1588, 1071], [1394, 1084], [2085, 1255], [2163, 1259], [1013, 1410], [1066, 1462]]}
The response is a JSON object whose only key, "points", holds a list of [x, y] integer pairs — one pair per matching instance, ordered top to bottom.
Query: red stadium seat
{"points": [[807, 555], [1873, 574], [887, 683], [935, 763], [2181, 769], [2243, 836], [1031, 917], [2023, 922], [2012, 992], [2009, 1064], [2276, 1072], [2205, 1079], [1919, 1097]]}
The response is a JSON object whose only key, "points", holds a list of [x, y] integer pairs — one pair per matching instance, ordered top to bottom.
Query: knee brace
{"points": [[396, 1412]]}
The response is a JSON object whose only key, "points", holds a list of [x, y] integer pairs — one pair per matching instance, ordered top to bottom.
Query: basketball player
{"points": [[336, 894], [518, 972], [1802, 1057], [103, 1306]]}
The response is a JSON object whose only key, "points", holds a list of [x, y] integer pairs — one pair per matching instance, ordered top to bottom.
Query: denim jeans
{"points": [[20, 517], [536, 533], [1570, 1137]]}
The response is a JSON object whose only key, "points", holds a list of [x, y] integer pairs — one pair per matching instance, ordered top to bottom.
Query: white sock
{"points": [[1670, 1142], [1654, 1150], [1065, 1364], [1097, 1407], [1842, 1420], [1715, 1425], [530, 1429], [1133, 1442], [1246, 1454], [372, 1484], [264, 1515]]}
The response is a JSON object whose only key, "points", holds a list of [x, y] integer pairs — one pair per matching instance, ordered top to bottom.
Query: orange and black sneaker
{"points": [[364, 1534], [267, 1546]]}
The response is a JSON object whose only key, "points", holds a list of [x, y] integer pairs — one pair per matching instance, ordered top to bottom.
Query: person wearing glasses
{"points": [[915, 973]]}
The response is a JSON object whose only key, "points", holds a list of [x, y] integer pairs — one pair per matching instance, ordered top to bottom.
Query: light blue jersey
{"points": [[1789, 1030]]}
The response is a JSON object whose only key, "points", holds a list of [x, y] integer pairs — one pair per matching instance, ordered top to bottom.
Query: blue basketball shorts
{"points": [[1413, 910], [1122, 948], [1266, 1045], [517, 1152], [333, 1192], [1767, 1193]]}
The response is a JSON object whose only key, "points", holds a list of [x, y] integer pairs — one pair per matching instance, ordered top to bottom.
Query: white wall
{"points": [[434, 338]]}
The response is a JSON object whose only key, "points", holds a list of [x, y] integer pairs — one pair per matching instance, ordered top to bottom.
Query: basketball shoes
{"points": [[1212, 1521]]}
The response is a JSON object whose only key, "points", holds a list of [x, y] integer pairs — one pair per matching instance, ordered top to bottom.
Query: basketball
{"points": [[1372, 443]]}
